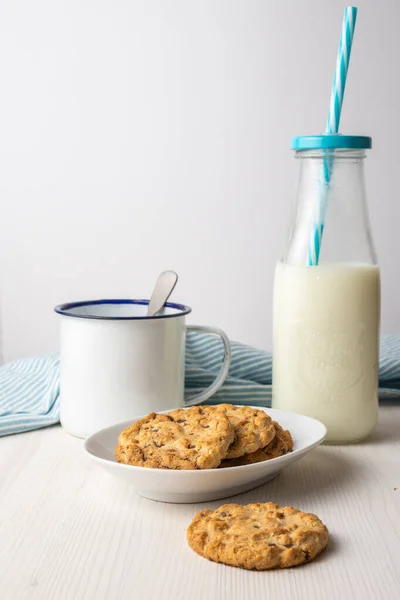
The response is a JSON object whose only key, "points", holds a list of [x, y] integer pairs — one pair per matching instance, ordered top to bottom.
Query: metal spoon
{"points": [[164, 287]]}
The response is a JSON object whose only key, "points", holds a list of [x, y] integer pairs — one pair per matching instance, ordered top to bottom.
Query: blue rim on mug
{"points": [[63, 309]]}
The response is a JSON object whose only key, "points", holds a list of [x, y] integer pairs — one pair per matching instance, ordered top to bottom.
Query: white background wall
{"points": [[142, 135]]}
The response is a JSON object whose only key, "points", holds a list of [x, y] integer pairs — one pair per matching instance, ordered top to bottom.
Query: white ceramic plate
{"points": [[208, 484]]}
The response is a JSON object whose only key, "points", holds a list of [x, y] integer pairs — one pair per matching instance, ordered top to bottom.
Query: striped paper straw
{"points": [[332, 126]]}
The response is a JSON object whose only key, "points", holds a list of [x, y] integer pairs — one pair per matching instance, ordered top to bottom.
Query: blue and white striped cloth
{"points": [[29, 387], [29, 394]]}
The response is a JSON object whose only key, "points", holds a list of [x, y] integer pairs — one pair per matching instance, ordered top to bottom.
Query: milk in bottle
{"points": [[326, 315]]}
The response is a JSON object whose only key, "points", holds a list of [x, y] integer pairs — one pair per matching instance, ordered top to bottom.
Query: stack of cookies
{"points": [[203, 437]]}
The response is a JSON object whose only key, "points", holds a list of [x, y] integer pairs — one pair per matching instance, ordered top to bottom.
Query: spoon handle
{"points": [[164, 287]]}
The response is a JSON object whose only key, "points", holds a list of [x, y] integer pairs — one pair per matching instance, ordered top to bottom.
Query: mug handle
{"points": [[217, 383]]}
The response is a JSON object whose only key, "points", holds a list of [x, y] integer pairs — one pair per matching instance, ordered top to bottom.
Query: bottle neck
{"points": [[341, 154], [330, 221]]}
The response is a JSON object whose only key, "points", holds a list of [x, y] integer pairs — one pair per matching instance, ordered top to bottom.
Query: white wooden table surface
{"points": [[68, 530]]}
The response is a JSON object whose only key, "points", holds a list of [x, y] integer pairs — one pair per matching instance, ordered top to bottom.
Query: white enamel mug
{"points": [[116, 363]]}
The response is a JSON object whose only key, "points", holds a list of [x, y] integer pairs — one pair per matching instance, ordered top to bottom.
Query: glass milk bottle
{"points": [[327, 294]]}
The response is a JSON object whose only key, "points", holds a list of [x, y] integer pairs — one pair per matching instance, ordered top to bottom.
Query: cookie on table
{"points": [[253, 429], [196, 438], [281, 444], [257, 536]]}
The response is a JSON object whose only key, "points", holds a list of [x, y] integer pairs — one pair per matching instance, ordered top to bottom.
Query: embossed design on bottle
{"points": [[329, 359]]}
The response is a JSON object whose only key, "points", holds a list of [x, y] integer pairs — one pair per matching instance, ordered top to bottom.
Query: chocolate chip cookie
{"points": [[253, 429], [197, 438], [281, 444], [257, 536]]}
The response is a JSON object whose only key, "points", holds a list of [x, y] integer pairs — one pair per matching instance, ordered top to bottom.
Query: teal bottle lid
{"points": [[331, 140]]}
